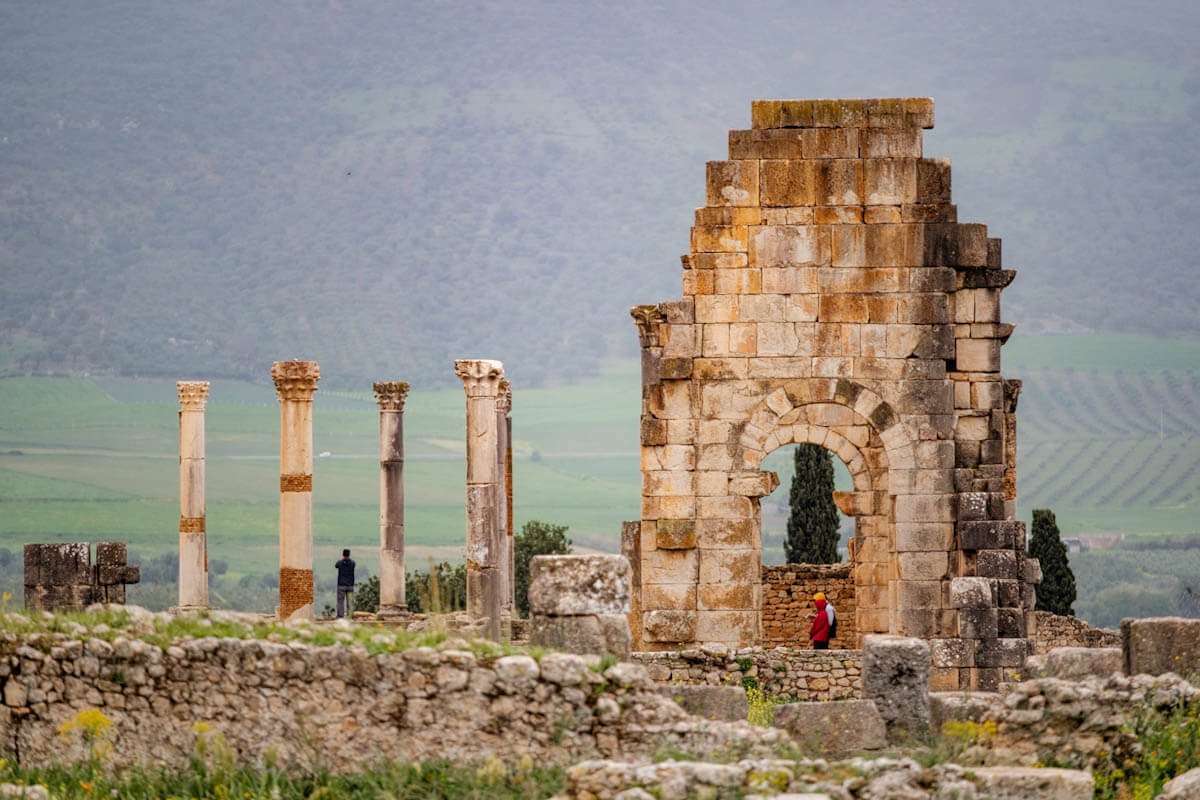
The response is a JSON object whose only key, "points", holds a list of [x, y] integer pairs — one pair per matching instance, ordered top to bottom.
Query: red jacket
{"points": [[819, 632]]}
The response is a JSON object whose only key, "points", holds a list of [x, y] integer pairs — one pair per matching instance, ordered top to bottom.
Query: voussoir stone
{"points": [[571, 585]]}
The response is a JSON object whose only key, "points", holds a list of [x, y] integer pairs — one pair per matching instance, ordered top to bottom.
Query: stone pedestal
{"points": [[295, 382], [390, 397], [193, 544], [485, 582], [580, 604]]}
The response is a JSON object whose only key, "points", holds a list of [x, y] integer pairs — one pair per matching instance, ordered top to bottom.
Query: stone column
{"points": [[481, 381], [295, 382], [390, 397], [508, 505], [503, 515], [193, 545]]}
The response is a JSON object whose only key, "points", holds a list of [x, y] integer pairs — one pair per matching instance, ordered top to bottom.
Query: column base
{"points": [[178, 610], [393, 612]]}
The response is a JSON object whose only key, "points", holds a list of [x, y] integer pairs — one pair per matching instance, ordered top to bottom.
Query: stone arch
{"points": [[839, 416]]}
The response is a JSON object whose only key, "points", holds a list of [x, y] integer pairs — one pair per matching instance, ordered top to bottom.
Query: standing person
{"points": [[345, 587], [830, 612], [818, 634]]}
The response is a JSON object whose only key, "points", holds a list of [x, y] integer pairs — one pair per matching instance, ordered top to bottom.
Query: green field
{"points": [[1109, 437]]}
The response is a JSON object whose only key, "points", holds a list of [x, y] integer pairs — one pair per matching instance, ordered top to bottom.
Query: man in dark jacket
{"points": [[345, 569]]}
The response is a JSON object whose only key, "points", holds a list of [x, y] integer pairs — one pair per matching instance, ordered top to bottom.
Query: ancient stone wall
{"points": [[830, 296], [61, 577], [788, 608], [1051, 631], [782, 672], [329, 707]]}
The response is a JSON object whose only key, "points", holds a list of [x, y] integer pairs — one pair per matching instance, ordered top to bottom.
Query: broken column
{"points": [[295, 382], [481, 382], [390, 397], [508, 503], [503, 514], [193, 544], [579, 604]]}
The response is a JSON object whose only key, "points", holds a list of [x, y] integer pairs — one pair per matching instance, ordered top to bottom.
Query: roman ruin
{"points": [[831, 296], [295, 382], [390, 397], [503, 500], [193, 539], [485, 585]]}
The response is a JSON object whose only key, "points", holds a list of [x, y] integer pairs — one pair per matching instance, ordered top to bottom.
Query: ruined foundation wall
{"points": [[788, 608], [1051, 631], [781, 672]]}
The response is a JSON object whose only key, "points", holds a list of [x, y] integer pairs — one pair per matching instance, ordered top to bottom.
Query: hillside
{"points": [[198, 189]]}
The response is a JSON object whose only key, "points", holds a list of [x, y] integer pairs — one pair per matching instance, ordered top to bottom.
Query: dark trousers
{"points": [[343, 593], [820, 645]]}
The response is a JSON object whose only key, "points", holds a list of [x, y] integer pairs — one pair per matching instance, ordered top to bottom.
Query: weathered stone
{"points": [[295, 383], [566, 585], [972, 593], [666, 625], [584, 634], [1155, 645], [1075, 663], [895, 676], [710, 702], [959, 707], [833, 729], [1033, 783], [1182, 787]]}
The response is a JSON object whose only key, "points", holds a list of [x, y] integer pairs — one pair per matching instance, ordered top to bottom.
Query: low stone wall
{"points": [[787, 603], [1052, 630], [784, 672], [329, 707]]}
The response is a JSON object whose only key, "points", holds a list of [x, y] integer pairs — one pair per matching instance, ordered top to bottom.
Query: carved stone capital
{"points": [[648, 318], [480, 377], [295, 380], [192, 394], [391, 395], [504, 399]]}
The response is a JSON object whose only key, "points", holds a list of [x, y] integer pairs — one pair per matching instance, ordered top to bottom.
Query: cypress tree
{"points": [[812, 528], [1057, 591]]}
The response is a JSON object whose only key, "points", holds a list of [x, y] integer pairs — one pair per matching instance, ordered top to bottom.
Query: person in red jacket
{"points": [[818, 634]]}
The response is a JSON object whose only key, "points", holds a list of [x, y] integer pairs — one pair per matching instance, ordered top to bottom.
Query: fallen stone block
{"points": [[575, 585], [591, 634], [1155, 645], [1073, 663], [895, 675], [710, 702], [959, 707], [835, 729], [1033, 783], [1182, 787]]}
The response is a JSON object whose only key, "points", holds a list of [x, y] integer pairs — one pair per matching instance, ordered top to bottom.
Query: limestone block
{"points": [[830, 142], [770, 143], [890, 143], [933, 180], [889, 181], [838, 182], [732, 183], [787, 183], [875, 215], [719, 239], [789, 246], [848, 246], [977, 355], [753, 484], [972, 506], [725, 533], [675, 534], [991, 535], [924, 536], [111, 554], [997, 564], [669, 566], [729, 566], [923, 566], [1032, 571], [579, 584], [972, 593], [734, 594], [669, 595], [1010, 622], [978, 623], [668, 625], [736, 626], [590, 634], [1155, 645], [951, 653], [1007, 654], [1076, 663], [895, 675], [710, 702], [960, 707], [833, 729], [1033, 783], [1182, 787]]}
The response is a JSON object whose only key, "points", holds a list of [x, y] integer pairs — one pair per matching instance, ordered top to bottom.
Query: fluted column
{"points": [[481, 381], [295, 382], [390, 397], [504, 532], [193, 544]]}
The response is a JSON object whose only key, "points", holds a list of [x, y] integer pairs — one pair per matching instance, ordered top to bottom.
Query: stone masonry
{"points": [[830, 296], [61, 577], [788, 608]]}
